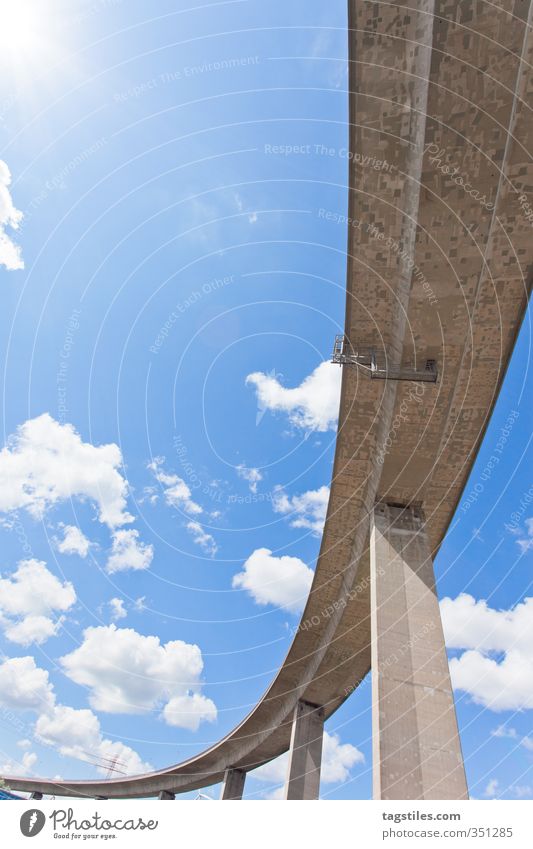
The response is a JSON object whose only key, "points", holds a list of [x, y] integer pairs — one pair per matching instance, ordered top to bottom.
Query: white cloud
{"points": [[252, 216], [10, 255], [313, 405], [45, 462], [253, 476], [176, 492], [307, 510], [202, 538], [73, 542], [526, 544], [127, 552], [282, 581], [29, 598], [118, 611], [32, 629], [487, 634], [127, 672], [23, 686], [189, 711], [504, 731], [75, 733], [512, 734], [337, 761], [20, 768], [492, 788], [521, 791], [275, 795]]}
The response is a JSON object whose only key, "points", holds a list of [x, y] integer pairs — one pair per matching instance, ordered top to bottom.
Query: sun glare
{"points": [[22, 29]]}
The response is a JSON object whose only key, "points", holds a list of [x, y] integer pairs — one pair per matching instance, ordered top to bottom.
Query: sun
{"points": [[22, 29]]}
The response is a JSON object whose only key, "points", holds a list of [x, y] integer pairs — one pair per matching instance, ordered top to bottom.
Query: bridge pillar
{"points": [[416, 747], [305, 753], [233, 785], [166, 794], [36, 795]]}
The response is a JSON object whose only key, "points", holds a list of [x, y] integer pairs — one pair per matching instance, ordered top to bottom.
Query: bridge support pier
{"points": [[416, 747], [305, 753], [233, 785], [166, 794]]}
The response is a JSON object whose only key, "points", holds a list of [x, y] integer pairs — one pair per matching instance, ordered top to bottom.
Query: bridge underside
{"points": [[439, 268]]}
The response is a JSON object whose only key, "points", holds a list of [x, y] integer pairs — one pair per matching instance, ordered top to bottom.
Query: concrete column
{"points": [[416, 747], [305, 754], [233, 785], [166, 794], [36, 795]]}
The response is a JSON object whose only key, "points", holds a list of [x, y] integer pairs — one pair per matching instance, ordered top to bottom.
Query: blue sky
{"points": [[172, 168]]}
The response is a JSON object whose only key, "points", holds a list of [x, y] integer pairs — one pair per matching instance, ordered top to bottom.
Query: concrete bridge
{"points": [[439, 269]]}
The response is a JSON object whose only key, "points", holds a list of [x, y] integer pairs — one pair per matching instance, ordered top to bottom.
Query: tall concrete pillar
{"points": [[416, 747], [305, 754], [233, 785], [166, 794]]}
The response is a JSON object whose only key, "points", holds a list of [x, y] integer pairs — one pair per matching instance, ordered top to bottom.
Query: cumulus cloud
{"points": [[10, 255], [312, 406], [46, 462], [253, 476], [176, 492], [307, 510], [202, 538], [73, 542], [526, 543], [128, 552], [282, 581], [29, 600], [118, 611], [496, 667], [127, 672], [23, 686], [189, 711], [76, 733], [512, 734], [337, 761], [20, 768], [492, 788], [521, 791]]}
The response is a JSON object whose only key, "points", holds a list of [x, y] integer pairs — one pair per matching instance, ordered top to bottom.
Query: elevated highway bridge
{"points": [[439, 265]]}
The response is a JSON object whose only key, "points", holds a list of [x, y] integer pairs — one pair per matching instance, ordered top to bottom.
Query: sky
{"points": [[171, 292]]}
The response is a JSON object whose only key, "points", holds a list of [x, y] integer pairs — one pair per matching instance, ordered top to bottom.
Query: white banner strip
{"points": [[264, 825]]}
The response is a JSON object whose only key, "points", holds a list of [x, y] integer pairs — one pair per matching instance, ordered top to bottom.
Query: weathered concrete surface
{"points": [[455, 75], [416, 747], [305, 752], [233, 785], [165, 795]]}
